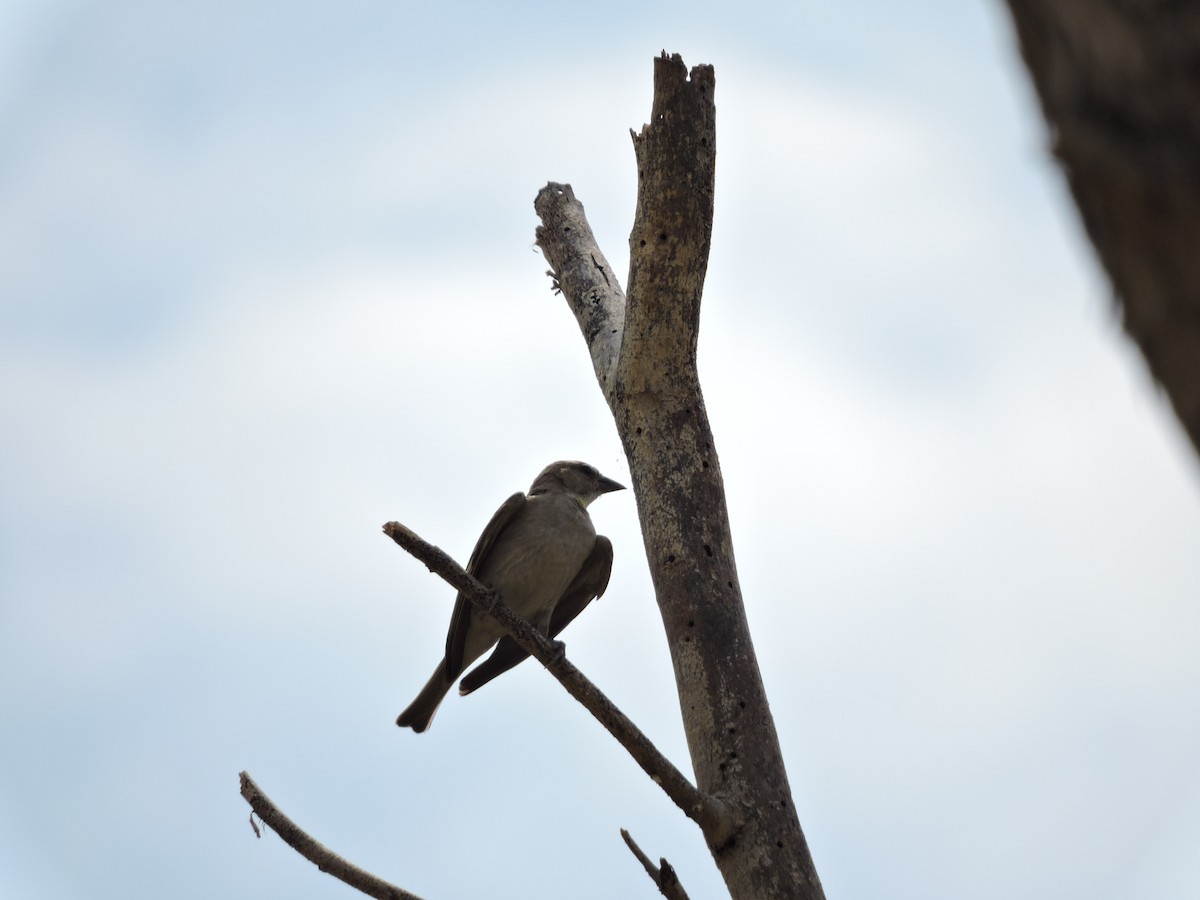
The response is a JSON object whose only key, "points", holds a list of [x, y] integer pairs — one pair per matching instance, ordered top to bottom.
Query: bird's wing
{"points": [[588, 584], [461, 620]]}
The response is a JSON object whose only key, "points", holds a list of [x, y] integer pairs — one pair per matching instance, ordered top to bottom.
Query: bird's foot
{"points": [[560, 651]]}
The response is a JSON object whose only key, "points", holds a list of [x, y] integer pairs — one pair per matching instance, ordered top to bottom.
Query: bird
{"points": [[540, 553]]}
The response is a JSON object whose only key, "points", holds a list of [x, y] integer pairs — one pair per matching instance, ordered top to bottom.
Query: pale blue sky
{"points": [[267, 280]]}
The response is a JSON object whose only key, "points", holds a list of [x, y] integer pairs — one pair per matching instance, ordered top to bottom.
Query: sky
{"points": [[268, 280]]}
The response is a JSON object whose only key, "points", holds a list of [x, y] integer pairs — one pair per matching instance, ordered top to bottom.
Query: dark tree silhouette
{"points": [[1119, 82]]}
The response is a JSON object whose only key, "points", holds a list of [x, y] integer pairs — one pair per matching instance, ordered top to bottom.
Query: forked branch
{"points": [[655, 397]]}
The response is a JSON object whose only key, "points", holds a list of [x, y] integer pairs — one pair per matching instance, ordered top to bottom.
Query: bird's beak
{"points": [[607, 484]]}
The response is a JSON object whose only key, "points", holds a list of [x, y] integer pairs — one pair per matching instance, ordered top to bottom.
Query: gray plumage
{"points": [[542, 555]]}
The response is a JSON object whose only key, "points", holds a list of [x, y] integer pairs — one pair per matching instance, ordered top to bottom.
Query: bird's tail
{"points": [[420, 712]]}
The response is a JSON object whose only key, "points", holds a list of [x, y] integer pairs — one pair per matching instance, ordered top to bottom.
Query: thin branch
{"points": [[706, 811], [314, 851], [663, 875]]}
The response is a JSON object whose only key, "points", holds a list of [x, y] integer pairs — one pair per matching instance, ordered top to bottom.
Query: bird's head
{"points": [[576, 478]]}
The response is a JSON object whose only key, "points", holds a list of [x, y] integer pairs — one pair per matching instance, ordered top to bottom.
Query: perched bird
{"points": [[541, 554]]}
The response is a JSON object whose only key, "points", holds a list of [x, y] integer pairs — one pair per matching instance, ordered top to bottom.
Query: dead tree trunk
{"points": [[644, 352]]}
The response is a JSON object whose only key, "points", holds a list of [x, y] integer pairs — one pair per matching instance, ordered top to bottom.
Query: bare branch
{"points": [[583, 275], [705, 811], [314, 851], [663, 875]]}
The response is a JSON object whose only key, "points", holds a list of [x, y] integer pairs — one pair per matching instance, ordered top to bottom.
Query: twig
{"points": [[706, 811], [314, 851], [663, 875]]}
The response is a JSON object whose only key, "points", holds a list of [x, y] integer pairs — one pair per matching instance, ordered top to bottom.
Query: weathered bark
{"points": [[1119, 82], [586, 280], [659, 410]]}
